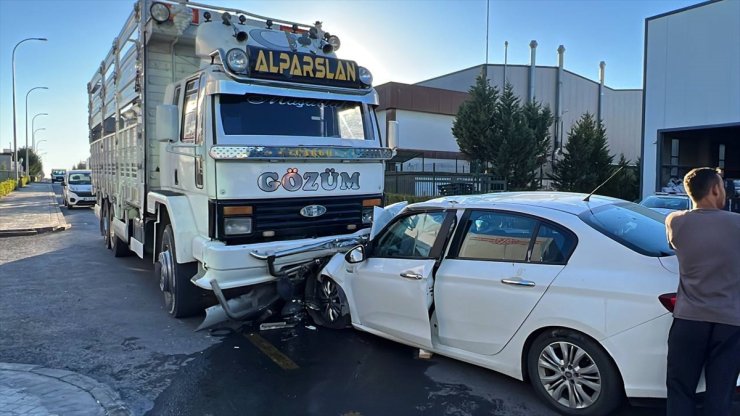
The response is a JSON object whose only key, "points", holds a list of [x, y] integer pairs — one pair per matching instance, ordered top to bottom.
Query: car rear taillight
{"points": [[668, 300]]}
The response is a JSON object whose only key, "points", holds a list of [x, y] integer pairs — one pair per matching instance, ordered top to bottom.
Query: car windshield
{"points": [[265, 115], [57, 172], [80, 178], [666, 202], [634, 226]]}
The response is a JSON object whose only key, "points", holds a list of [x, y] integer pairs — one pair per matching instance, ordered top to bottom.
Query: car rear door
{"points": [[499, 267], [393, 287]]}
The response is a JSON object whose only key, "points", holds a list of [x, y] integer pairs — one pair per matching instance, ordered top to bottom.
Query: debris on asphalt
{"points": [[275, 325], [311, 327], [424, 354]]}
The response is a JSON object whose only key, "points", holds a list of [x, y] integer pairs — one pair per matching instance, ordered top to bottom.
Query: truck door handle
{"points": [[411, 275], [518, 282]]}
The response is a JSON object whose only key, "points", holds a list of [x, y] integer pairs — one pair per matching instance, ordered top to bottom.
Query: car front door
{"points": [[498, 269], [393, 287]]}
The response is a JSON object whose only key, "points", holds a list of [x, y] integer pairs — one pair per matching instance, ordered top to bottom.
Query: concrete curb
{"points": [[106, 397]]}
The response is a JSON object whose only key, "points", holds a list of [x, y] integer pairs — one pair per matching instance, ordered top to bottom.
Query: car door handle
{"points": [[411, 275], [518, 282]]}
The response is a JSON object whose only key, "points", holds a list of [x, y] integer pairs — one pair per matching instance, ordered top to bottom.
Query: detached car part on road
{"points": [[573, 296]]}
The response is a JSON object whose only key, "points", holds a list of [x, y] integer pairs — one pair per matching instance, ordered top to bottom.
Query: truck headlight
{"points": [[160, 12], [237, 61], [366, 77], [368, 205], [237, 225]]}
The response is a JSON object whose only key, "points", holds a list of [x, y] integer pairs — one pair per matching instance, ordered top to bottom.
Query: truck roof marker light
{"points": [[159, 12], [207, 16], [226, 18], [242, 19], [269, 24], [334, 42], [327, 48], [237, 61], [366, 77]]}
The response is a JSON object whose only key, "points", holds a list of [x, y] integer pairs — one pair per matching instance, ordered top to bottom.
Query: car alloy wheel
{"points": [[326, 303], [573, 373], [569, 375]]}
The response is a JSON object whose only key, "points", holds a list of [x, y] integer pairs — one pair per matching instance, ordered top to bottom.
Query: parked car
{"points": [[57, 175], [77, 189], [665, 203], [573, 296]]}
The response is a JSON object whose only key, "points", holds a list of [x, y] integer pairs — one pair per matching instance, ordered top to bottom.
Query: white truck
{"points": [[219, 138]]}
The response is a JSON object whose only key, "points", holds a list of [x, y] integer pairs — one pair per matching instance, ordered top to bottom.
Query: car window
{"points": [[79, 179], [667, 202], [634, 226], [411, 236], [497, 236], [552, 245]]}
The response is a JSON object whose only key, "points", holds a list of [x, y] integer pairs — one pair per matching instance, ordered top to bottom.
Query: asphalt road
{"points": [[67, 303]]}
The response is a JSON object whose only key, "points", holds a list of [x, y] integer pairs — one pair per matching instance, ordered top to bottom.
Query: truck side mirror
{"points": [[167, 123], [392, 134]]}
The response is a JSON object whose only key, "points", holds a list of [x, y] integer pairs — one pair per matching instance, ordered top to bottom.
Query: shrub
{"points": [[7, 187], [411, 199]]}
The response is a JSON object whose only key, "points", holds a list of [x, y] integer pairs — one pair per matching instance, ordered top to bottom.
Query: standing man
{"points": [[706, 320]]}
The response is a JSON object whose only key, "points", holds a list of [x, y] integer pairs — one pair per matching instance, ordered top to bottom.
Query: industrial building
{"points": [[691, 92], [425, 111]]}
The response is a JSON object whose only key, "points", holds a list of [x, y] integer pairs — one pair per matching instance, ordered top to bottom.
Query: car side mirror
{"points": [[64, 183], [356, 255]]}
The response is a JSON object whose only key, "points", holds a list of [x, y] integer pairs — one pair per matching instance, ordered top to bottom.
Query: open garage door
{"points": [[684, 149]]}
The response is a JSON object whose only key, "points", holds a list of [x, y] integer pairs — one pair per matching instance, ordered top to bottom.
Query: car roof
{"points": [[79, 171], [572, 203]]}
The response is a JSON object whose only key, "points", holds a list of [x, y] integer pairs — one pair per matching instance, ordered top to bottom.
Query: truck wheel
{"points": [[115, 243], [181, 297], [326, 303]]}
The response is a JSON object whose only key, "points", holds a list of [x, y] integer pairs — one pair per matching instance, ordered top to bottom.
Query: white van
{"points": [[77, 189]]}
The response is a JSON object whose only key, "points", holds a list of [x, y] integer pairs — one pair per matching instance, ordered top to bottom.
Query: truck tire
{"points": [[119, 247], [181, 297]]}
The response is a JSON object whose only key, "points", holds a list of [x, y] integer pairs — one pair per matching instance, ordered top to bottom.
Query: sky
{"points": [[404, 41]]}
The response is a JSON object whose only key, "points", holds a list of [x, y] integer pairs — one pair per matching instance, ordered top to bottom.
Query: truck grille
{"points": [[283, 217]]}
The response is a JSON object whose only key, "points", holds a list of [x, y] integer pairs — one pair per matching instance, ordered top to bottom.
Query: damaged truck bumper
{"points": [[255, 266]]}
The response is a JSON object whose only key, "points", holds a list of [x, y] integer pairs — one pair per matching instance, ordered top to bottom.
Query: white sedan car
{"points": [[574, 296]]}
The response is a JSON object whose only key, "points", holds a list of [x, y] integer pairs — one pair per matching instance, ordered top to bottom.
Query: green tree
{"points": [[474, 124], [522, 140], [587, 162], [35, 166], [625, 184]]}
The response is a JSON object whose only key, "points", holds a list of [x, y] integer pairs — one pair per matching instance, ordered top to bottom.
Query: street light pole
{"points": [[33, 120], [33, 135], [15, 138], [36, 149], [28, 171]]}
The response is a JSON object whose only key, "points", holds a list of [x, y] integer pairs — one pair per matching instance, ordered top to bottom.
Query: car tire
{"points": [[181, 297], [327, 304], [573, 374]]}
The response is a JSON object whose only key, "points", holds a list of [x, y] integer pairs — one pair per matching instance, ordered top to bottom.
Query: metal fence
{"points": [[441, 183]]}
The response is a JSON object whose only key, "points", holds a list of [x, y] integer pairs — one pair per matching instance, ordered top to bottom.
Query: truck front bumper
{"points": [[235, 266]]}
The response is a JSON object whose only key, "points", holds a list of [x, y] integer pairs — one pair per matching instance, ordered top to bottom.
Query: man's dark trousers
{"points": [[693, 345]]}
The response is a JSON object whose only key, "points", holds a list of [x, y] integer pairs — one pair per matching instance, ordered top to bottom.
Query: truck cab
{"points": [[217, 134]]}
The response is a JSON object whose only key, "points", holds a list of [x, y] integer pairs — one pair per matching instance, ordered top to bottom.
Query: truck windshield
{"points": [[265, 115], [82, 178]]}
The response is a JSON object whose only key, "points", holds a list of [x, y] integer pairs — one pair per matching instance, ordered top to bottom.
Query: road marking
{"points": [[271, 351]]}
